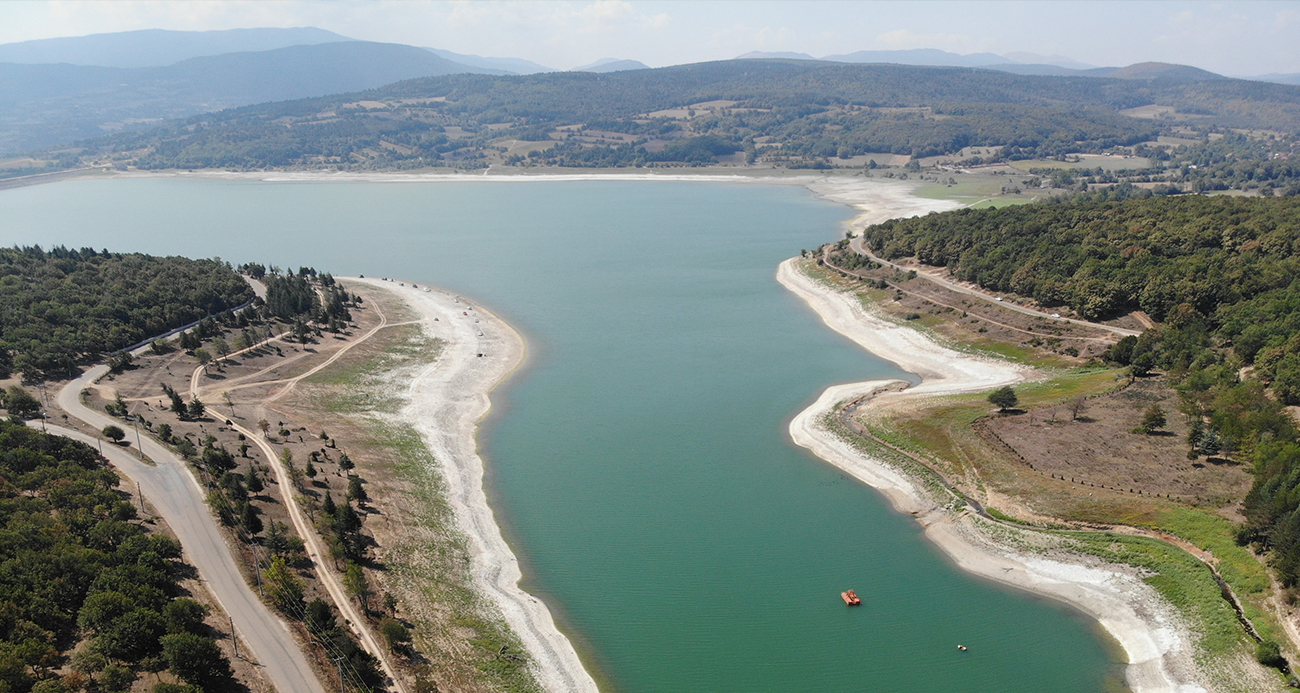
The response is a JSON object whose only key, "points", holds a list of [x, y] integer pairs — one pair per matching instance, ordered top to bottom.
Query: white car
{"points": [[1056, 315]]}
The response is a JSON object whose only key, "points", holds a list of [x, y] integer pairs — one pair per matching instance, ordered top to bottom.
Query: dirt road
{"points": [[857, 245]]}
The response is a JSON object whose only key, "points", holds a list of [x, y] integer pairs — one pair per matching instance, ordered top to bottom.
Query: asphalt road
{"points": [[173, 491]]}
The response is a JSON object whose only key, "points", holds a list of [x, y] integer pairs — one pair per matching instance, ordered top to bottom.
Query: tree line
{"points": [[1222, 275], [63, 307]]}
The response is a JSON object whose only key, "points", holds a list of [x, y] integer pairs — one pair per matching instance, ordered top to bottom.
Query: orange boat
{"points": [[850, 598]]}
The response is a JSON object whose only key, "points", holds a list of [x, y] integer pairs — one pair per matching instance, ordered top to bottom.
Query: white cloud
{"points": [[656, 21]]}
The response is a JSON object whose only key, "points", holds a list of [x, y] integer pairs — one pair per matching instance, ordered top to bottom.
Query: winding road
{"points": [[178, 498]]}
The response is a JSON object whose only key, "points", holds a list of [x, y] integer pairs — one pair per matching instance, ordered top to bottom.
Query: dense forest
{"points": [[797, 108], [1221, 274], [64, 307], [87, 596]]}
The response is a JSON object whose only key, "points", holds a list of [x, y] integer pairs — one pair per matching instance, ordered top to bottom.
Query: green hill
{"points": [[800, 112]]}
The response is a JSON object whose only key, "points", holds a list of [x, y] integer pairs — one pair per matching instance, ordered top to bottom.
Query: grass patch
{"points": [[1181, 579]]}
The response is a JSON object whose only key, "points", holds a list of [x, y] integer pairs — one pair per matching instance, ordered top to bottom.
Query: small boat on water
{"points": [[850, 598], [962, 648]]}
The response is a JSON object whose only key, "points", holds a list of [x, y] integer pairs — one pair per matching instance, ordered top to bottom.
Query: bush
{"points": [[114, 433], [1269, 653]]}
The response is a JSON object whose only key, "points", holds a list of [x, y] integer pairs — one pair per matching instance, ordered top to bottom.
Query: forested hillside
{"points": [[791, 109], [1221, 274], [64, 307], [77, 574]]}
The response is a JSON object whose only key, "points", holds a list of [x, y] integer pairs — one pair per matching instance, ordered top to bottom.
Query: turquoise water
{"points": [[640, 463]]}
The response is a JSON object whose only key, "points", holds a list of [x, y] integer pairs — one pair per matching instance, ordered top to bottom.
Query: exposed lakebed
{"points": [[639, 464]]}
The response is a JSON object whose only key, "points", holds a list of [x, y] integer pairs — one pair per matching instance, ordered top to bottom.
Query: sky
{"points": [[1233, 38]]}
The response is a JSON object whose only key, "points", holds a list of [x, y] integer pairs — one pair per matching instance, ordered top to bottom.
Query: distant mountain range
{"points": [[158, 47], [922, 56], [1023, 64], [612, 65], [517, 66], [1293, 78], [64, 89], [42, 104]]}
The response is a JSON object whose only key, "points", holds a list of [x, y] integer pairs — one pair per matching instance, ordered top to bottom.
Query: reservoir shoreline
{"points": [[875, 200], [445, 403], [1155, 642]]}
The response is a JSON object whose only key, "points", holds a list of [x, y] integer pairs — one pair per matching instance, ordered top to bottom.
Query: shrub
{"points": [[1269, 653]]}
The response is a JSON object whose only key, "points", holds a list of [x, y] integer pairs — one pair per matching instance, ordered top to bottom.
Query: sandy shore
{"points": [[876, 199], [446, 400], [1157, 646]]}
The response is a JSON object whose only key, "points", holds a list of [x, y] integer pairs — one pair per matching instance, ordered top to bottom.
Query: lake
{"points": [[640, 463]]}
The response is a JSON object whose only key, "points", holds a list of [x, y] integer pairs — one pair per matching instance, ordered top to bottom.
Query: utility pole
{"points": [[138, 445], [234, 639], [338, 662]]}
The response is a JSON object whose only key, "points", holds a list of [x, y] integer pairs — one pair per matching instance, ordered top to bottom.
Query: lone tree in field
{"points": [[1004, 397], [1153, 420], [113, 433]]}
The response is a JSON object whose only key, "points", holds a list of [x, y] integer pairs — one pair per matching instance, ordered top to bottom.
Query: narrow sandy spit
{"points": [[446, 400], [1157, 646]]}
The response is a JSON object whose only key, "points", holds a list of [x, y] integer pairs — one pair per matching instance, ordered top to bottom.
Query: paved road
{"points": [[857, 245], [173, 491]]}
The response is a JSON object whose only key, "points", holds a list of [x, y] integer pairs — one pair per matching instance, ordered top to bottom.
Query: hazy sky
{"points": [[1237, 38]]}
